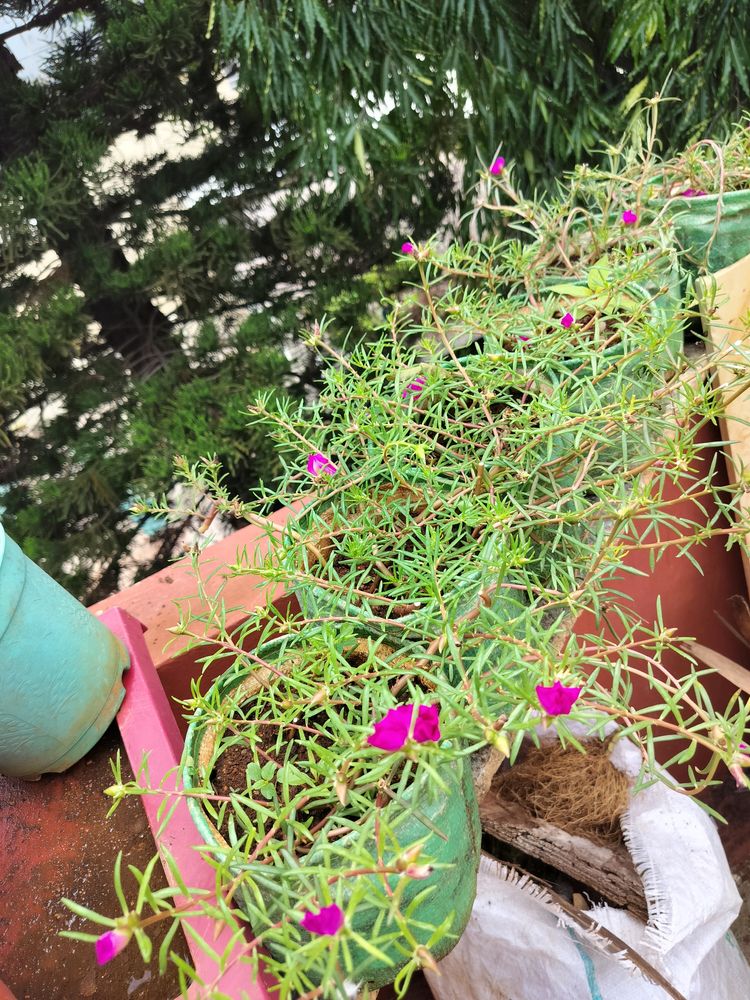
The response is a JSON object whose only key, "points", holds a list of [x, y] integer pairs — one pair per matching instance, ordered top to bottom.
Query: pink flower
{"points": [[497, 165], [690, 193], [628, 217], [407, 247], [567, 321], [415, 387], [317, 464], [558, 699], [427, 726], [392, 732], [740, 759], [328, 920], [108, 946]]}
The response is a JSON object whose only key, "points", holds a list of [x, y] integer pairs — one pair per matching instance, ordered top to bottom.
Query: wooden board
{"points": [[725, 308], [608, 871]]}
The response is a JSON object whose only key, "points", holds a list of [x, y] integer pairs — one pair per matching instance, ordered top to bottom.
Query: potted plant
{"points": [[390, 457], [53, 652], [392, 842]]}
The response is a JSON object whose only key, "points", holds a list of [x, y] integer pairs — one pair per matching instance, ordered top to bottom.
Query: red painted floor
{"points": [[56, 840]]}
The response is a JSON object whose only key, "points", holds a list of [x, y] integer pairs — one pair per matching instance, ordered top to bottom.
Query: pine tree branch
{"points": [[42, 20]]}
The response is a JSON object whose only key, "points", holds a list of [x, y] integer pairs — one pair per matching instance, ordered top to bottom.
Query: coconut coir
{"points": [[582, 794]]}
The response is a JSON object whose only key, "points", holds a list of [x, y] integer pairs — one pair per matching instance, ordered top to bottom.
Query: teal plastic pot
{"points": [[714, 232], [60, 671], [453, 811]]}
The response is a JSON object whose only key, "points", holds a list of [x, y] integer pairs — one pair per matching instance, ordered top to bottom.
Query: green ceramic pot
{"points": [[60, 671], [453, 812]]}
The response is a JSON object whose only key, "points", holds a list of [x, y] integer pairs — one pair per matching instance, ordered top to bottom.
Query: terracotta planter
{"points": [[695, 602], [453, 812]]}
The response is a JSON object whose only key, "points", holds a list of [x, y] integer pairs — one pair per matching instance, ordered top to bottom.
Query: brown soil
{"points": [[231, 768], [230, 773]]}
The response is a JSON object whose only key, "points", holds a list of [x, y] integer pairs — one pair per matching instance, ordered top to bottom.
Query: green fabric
{"points": [[713, 235]]}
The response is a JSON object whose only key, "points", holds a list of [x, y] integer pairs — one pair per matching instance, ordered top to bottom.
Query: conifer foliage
{"points": [[185, 184]]}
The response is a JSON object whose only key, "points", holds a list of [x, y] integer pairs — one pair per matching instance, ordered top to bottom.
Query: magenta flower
{"points": [[497, 165], [690, 193], [628, 217], [407, 247], [567, 321], [521, 337], [414, 387], [317, 464], [558, 699], [427, 726], [392, 732], [328, 920], [108, 946]]}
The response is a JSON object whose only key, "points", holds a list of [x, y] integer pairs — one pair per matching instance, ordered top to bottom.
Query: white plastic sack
{"points": [[518, 946]]}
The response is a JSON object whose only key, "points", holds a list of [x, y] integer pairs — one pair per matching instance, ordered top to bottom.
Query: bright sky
{"points": [[29, 48]]}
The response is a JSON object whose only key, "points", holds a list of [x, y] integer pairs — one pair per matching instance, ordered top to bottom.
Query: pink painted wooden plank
{"points": [[147, 724]]}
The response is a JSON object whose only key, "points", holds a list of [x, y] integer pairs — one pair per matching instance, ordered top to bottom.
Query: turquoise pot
{"points": [[60, 671], [445, 819]]}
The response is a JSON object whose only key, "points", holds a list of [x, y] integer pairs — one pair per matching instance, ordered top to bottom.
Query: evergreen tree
{"points": [[146, 294]]}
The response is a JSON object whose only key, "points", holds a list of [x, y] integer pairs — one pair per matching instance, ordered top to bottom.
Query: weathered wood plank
{"points": [[608, 871]]}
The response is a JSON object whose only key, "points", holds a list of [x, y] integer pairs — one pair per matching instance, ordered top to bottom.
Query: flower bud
{"points": [[321, 695], [717, 735], [498, 740], [735, 769], [341, 788], [115, 791], [410, 855], [419, 871], [109, 945], [425, 960]]}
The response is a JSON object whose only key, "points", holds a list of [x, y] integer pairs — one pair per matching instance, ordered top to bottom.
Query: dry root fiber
{"points": [[583, 794]]}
